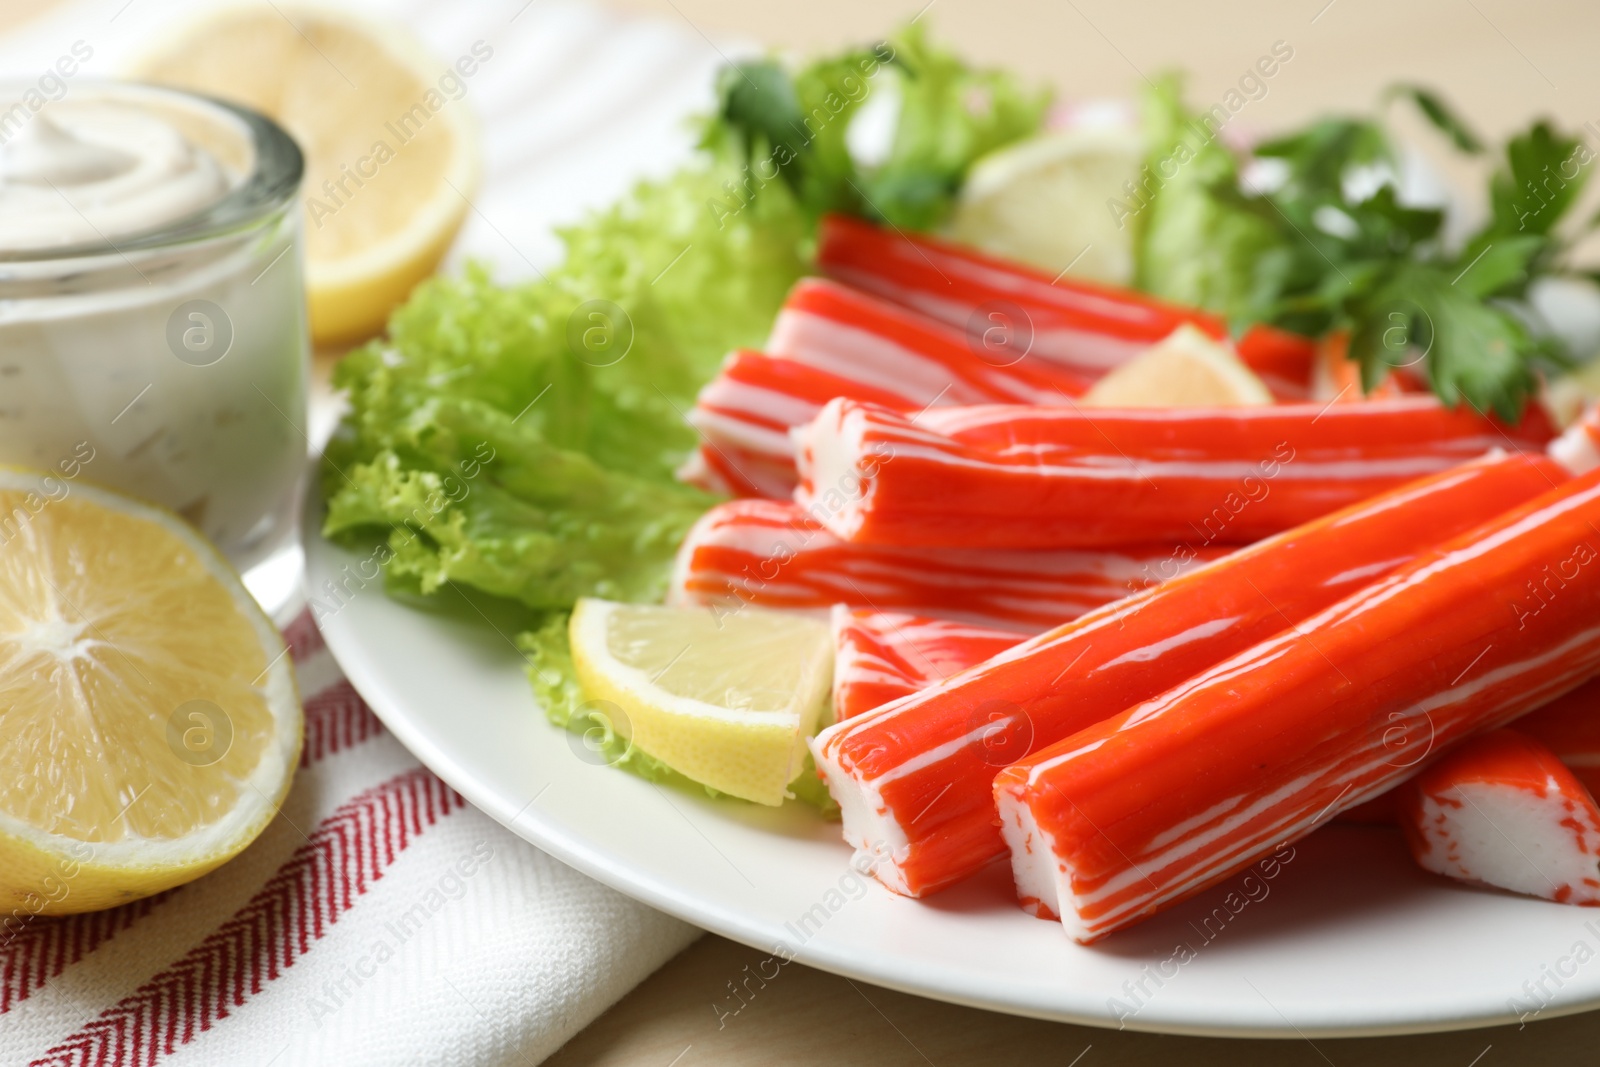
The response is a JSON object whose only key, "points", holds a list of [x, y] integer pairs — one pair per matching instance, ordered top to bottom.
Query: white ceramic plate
{"points": [[1348, 938]]}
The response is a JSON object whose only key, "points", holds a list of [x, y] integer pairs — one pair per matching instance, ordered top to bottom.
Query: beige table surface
{"points": [[1502, 62]]}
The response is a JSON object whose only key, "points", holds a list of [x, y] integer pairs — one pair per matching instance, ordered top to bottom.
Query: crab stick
{"points": [[1087, 328], [861, 337], [829, 340], [745, 413], [1030, 477], [774, 554], [881, 656], [1570, 727], [913, 779], [1501, 810], [1123, 819]]}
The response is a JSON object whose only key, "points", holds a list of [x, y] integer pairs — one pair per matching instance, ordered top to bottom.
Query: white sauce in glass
{"points": [[100, 171], [181, 366]]}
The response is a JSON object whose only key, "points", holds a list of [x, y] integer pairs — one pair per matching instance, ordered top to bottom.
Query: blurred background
{"points": [[1497, 61], [1500, 61], [595, 87]]}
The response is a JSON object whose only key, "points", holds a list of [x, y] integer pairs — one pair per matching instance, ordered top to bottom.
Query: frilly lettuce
{"points": [[794, 126], [490, 448]]}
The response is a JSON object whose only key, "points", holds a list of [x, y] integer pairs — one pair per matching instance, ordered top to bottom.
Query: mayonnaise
{"points": [[84, 172], [152, 313]]}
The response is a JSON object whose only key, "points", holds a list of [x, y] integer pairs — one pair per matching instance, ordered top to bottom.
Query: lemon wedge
{"points": [[391, 146], [1044, 201], [1186, 369], [1566, 397], [725, 699], [149, 724]]}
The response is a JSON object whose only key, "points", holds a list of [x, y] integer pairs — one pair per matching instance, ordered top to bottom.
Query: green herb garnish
{"points": [[791, 128], [1330, 246]]}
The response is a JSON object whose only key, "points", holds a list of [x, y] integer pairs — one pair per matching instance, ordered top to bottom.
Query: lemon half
{"points": [[391, 147], [727, 699], [149, 723]]}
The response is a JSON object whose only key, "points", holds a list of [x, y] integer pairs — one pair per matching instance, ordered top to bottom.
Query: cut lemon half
{"points": [[390, 143], [1049, 201], [1187, 369], [727, 699], [149, 724]]}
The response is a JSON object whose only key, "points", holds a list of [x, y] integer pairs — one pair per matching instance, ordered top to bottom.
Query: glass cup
{"points": [[173, 363]]}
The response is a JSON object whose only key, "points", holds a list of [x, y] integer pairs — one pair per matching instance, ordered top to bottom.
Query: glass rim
{"points": [[277, 169]]}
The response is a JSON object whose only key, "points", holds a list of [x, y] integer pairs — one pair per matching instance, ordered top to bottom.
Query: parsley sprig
{"points": [[1329, 244]]}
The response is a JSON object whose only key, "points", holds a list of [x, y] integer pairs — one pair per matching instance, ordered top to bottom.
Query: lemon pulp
{"points": [[726, 699], [148, 718]]}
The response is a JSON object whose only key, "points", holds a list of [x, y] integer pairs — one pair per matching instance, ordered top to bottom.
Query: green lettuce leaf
{"points": [[951, 115], [790, 130], [1199, 243], [521, 439]]}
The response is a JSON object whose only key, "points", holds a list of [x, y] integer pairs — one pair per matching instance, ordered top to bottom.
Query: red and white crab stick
{"points": [[1088, 328], [861, 337], [832, 341], [744, 416], [997, 476], [773, 554], [881, 656], [1570, 724], [1570, 727], [913, 778], [1502, 810], [1129, 816]]}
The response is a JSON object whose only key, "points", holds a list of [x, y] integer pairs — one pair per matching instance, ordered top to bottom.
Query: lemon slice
{"points": [[391, 146], [1044, 201], [1187, 369], [725, 699], [149, 723]]}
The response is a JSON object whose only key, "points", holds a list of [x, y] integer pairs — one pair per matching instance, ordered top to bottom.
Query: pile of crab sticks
{"points": [[1136, 649]]}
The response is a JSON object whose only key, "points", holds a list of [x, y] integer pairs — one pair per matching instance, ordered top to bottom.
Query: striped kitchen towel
{"points": [[380, 920]]}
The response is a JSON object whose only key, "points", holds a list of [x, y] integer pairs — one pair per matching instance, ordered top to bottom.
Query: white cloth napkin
{"points": [[380, 920]]}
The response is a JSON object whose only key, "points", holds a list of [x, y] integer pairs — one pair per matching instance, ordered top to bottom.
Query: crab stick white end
{"points": [[1578, 447], [838, 466], [1503, 811], [869, 825], [1034, 867]]}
